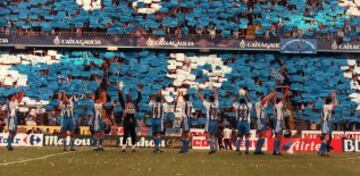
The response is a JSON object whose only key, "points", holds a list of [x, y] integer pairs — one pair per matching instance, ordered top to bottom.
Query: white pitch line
{"points": [[39, 158]]}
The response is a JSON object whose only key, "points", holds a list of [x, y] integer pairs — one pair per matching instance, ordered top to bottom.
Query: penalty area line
{"points": [[39, 158]]}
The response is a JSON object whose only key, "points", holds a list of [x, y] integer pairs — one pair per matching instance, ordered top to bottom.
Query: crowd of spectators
{"points": [[227, 18], [83, 74]]}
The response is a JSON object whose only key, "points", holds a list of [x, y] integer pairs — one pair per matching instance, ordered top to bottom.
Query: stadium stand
{"points": [[285, 18], [82, 73]]}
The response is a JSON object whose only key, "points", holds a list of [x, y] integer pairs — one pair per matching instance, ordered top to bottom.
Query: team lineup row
{"points": [[241, 105]]}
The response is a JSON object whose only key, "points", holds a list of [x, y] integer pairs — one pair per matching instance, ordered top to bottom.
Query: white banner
{"points": [[335, 134], [27, 140], [54, 140], [199, 141], [144, 142], [351, 145]]}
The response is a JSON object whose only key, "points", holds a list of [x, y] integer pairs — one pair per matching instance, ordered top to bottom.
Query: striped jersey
{"points": [[12, 107], [186, 108], [157, 109], [67, 110], [97, 110], [212, 110], [260, 110], [279, 110], [242, 111], [327, 112], [97, 116]]}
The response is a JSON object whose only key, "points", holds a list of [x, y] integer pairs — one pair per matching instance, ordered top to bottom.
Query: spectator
{"points": [[340, 36], [258, 80], [30, 120], [2, 125], [31, 131], [38, 131], [47, 131], [220, 136], [227, 138]]}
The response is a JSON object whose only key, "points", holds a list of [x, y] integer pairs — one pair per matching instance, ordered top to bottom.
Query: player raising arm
{"points": [[65, 105], [157, 106], [129, 107], [12, 108], [186, 111], [212, 111], [242, 111], [261, 121], [279, 121], [97, 123], [325, 123]]}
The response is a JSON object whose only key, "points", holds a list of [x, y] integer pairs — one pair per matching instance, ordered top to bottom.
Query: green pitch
{"points": [[112, 162]]}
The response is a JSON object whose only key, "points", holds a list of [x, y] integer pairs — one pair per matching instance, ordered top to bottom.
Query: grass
{"points": [[113, 162]]}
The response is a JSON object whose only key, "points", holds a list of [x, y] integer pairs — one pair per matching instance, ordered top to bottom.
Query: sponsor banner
{"points": [[4, 41], [76, 41], [133, 41], [162, 42], [178, 42], [258, 44], [298, 46], [351, 46], [84, 130], [140, 131], [145, 131], [197, 132], [335, 135], [24, 140], [56, 140], [112, 141], [199, 141], [148, 142], [295, 145], [351, 145]]}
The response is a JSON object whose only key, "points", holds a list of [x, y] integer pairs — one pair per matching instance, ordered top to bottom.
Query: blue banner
{"points": [[292, 45], [298, 46]]}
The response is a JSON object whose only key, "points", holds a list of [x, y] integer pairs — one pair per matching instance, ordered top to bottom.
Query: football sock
{"points": [[72, 139], [10, 140], [238, 143], [247, 144]]}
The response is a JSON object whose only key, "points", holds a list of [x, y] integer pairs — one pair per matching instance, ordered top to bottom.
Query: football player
{"points": [[212, 112]]}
